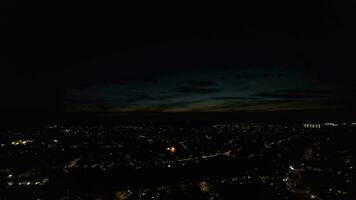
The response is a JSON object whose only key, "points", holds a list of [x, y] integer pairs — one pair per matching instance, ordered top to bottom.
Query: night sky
{"points": [[97, 57]]}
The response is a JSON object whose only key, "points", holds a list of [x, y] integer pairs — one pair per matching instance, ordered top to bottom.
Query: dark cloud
{"points": [[254, 76], [221, 78], [127, 80], [200, 83], [197, 87], [195, 90], [324, 92], [308, 94], [287, 95], [150, 97], [234, 98], [276, 101], [172, 105]]}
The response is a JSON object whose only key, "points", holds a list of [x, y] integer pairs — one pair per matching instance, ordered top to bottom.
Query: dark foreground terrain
{"points": [[179, 161]]}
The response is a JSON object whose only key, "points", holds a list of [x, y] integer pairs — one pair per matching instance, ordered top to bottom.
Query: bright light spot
{"points": [[172, 149]]}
